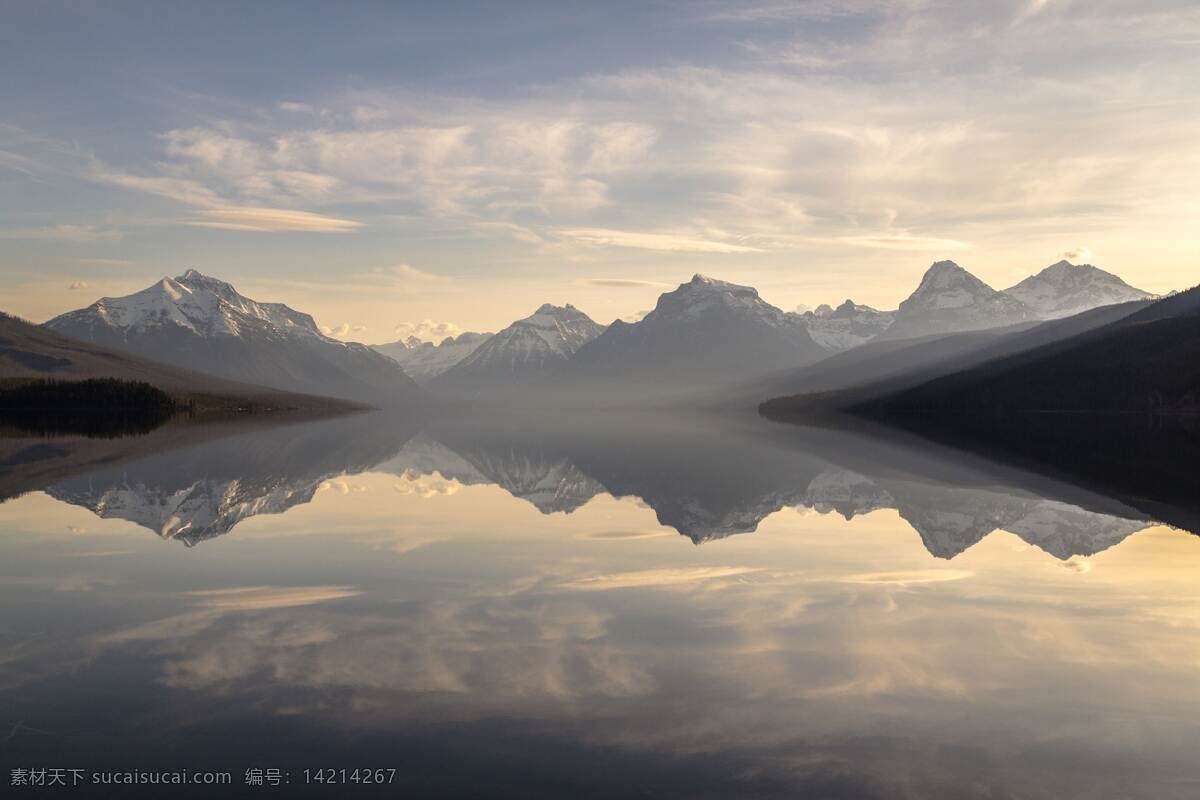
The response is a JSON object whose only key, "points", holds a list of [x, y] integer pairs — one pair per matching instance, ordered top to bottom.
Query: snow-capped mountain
{"points": [[1064, 289], [950, 299], [204, 324], [847, 326], [703, 334], [528, 348], [424, 361]]}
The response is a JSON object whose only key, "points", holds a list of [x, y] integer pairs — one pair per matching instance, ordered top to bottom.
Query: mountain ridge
{"points": [[221, 332]]}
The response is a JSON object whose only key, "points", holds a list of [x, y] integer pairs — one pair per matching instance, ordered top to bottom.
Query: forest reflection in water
{"points": [[521, 605]]}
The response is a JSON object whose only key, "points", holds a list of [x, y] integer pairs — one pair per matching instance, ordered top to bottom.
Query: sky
{"points": [[421, 169]]}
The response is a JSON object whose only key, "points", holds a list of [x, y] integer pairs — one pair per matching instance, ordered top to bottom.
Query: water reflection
{"points": [[704, 478], [510, 608]]}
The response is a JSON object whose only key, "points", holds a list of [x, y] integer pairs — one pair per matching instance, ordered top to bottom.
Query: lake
{"points": [[591, 606]]}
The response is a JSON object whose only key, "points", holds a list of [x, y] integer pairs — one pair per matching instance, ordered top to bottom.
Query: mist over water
{"points": [[672, 605]]}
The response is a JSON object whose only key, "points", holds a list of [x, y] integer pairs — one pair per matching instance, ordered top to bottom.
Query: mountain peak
{"points": [[945, 265], [947, 276], [704, 283], [1063, 289], [949, 298], [553, 310]]}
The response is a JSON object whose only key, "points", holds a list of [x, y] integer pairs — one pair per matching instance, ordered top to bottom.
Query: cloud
{"points": [[293, 107], [272, 219], [63, 232], [605, 237], [904, 241], [1081, 253], [105, 262], [406, 275], [626, 283], [78, 285], [343, 330], [428, 330]]}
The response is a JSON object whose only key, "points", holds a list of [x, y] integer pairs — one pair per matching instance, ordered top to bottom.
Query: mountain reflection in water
{"points": [[704, 477], [510, 608]]}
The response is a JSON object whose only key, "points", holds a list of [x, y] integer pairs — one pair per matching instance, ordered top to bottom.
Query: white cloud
{"points": [[272, 219], [604, 237], [904, 241], [1083, 254], [408, 275], [626, 283], [343, 330], [427, 330]]}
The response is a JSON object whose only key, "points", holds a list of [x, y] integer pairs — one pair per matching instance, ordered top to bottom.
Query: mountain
{"points": [[1064, 289], [951, 299], [204, 323], [849, 325], [704, 334], [526, 350], [32, 351], [424, 361], [1146, 362], [880, 368]]}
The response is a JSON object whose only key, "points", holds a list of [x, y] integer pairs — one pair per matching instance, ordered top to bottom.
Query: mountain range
{"points": [[206, 324], [704, 334], [705, 339], [527, 350], [29, 351], [423, 361], [1144, 362]]}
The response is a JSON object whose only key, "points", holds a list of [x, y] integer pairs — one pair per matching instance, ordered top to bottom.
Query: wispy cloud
{"points": [[272, 220], [64, 232], [605, 237], [905, 241], [105, 262], [626, 283], [76, 285]]}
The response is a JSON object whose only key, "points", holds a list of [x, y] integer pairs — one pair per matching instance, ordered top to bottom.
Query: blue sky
{"points": [[427, 168]]}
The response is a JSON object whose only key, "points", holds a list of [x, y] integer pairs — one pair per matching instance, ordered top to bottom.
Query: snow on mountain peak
{"points": [[946, 285], [1063, 289], [692, 299], [201, 305], [849, 325], [550, 335]]}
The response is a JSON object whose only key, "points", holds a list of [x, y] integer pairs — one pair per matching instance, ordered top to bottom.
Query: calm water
{"points": [[659, 607]]}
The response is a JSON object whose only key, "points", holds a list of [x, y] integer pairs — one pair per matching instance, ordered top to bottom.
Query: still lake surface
{"points": [[659, 606]]}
